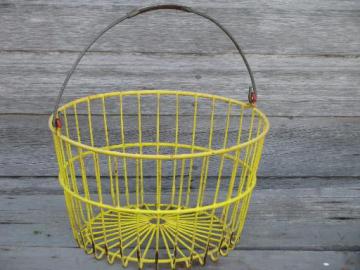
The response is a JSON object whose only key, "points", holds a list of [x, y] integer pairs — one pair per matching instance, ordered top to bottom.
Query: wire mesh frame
{"points": [[204, 172]]}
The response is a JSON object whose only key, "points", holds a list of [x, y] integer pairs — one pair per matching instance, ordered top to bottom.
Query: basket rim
{"points": [[104, 151]]}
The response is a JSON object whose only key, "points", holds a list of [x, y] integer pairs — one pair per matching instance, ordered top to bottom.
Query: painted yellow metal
{"points": [[202, 187]]}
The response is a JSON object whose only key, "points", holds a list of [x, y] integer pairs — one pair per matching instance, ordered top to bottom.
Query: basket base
{"points": [[143, 238]]}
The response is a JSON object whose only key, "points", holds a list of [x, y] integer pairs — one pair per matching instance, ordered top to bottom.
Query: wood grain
{"points": [[294, 27], [287, 86], [294, 147], [26, 185], [295, 218], [40, 258]]}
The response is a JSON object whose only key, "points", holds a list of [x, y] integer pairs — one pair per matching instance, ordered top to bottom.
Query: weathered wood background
{"points": [[305, 213]]}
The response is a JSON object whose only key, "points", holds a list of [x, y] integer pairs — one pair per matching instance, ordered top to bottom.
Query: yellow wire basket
{"points": [[158, 176]]}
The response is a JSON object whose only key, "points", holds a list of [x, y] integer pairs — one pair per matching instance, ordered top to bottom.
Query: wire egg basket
{"points": [[159, 176]]}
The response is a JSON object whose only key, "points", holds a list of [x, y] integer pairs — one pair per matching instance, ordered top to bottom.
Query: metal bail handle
{"points": [[252, 95]]}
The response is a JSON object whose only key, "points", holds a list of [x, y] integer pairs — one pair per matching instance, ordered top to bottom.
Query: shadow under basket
{"points": [[157, 176]]}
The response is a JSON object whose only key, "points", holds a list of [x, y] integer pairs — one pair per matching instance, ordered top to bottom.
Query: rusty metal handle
{"points": [[252, 89]]}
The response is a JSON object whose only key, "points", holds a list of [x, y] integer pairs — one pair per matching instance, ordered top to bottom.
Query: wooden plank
{"points": [[295, 27], [287, 86], [295, 147], [26, 185], [296, 218], [258, 234], [39, 258]]}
